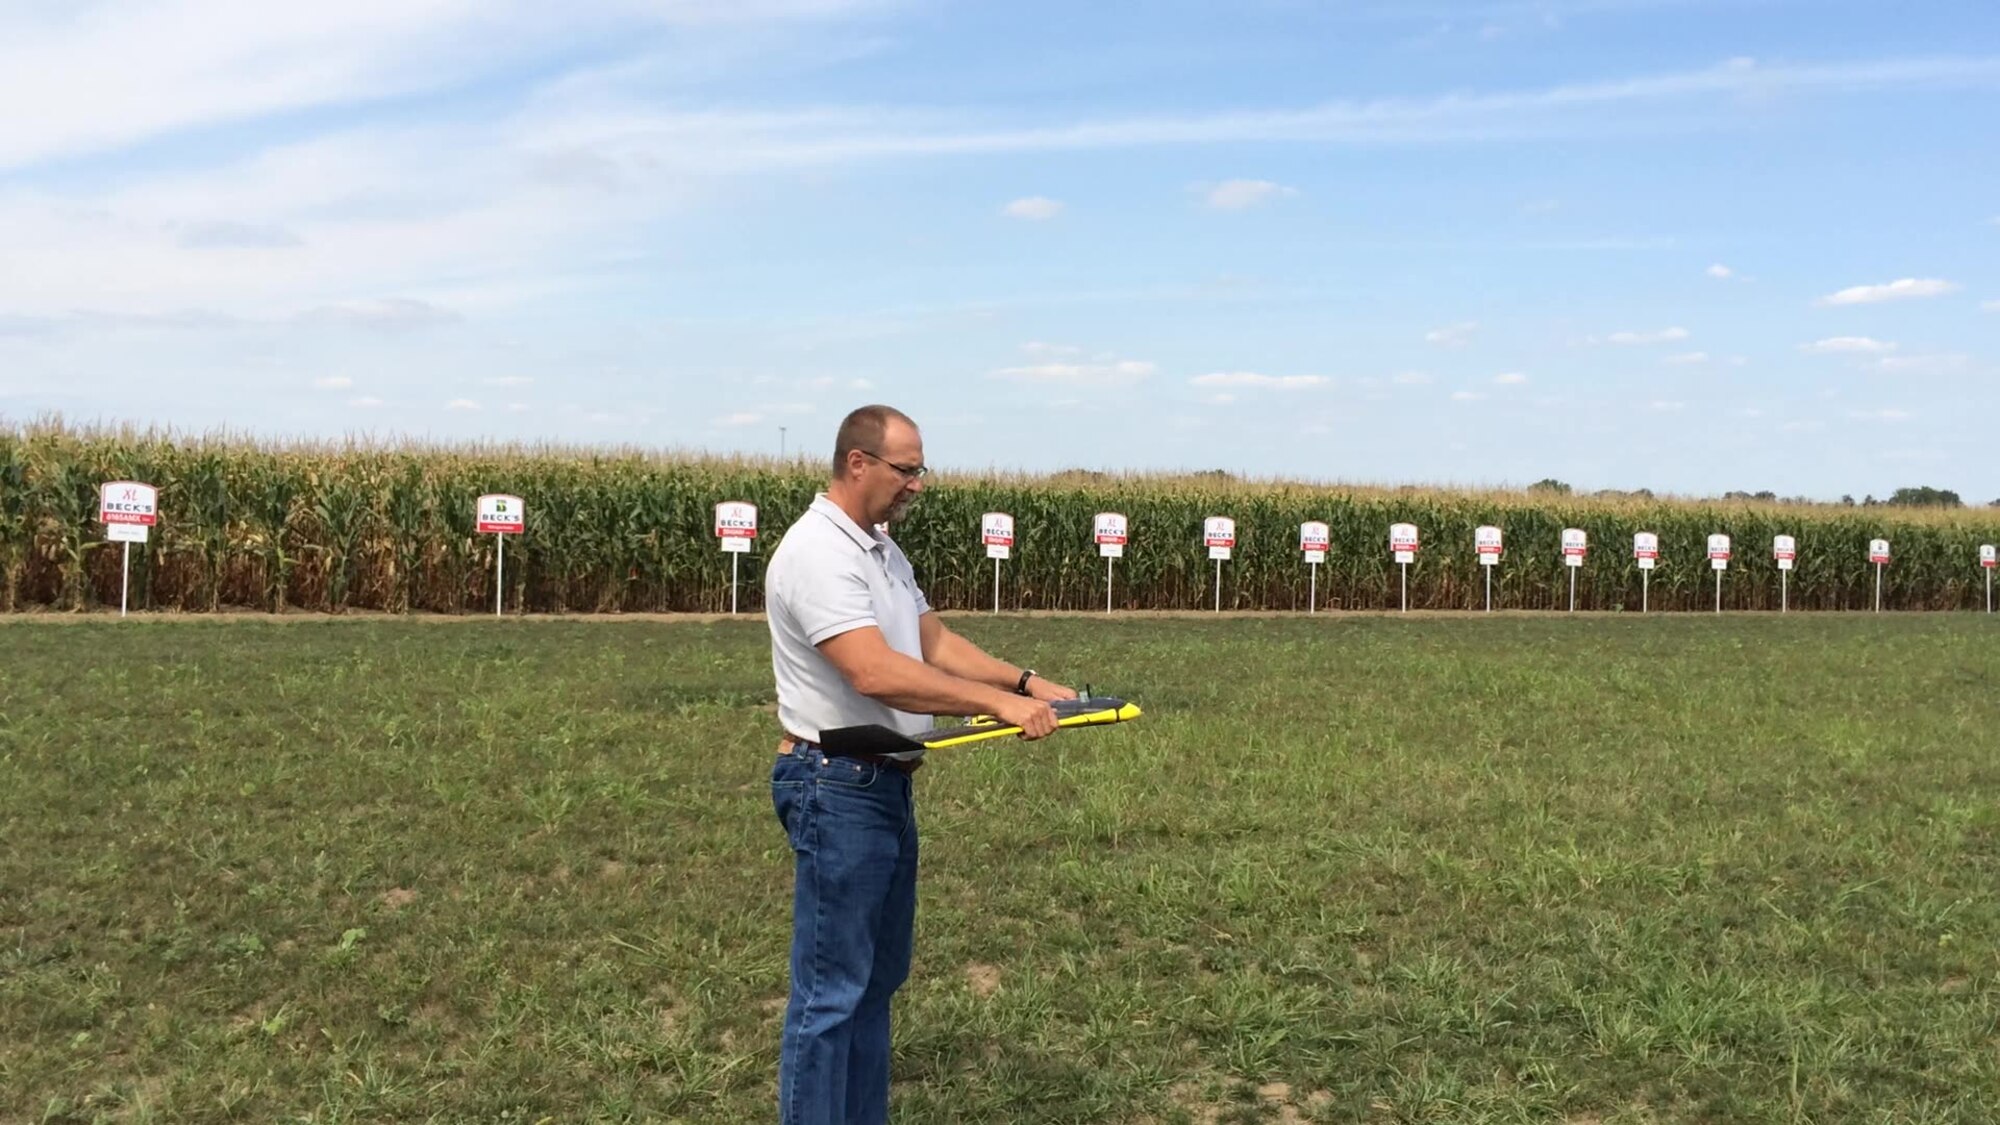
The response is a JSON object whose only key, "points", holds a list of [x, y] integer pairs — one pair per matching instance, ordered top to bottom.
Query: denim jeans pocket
{"points": [[847, 773]]}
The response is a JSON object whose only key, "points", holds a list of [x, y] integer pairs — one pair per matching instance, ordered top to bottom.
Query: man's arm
{"points": [[960, 657], [881, 673]]}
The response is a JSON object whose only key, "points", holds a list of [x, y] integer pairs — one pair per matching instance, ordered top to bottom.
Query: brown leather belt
{"points": [[791, 742]]}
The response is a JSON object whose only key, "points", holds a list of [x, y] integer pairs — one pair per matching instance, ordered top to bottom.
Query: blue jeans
{"points": [[853, 831]]}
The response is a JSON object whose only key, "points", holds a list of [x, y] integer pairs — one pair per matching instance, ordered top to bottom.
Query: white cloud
{"points": [[103, 75], [1237, 195], [1034, 208], [1721, 272], [1899, 290], [1990, 306], [391, 315], [1452, 335], [1662, 336], [1848, 345], [1037, 349], [1687, 359], [1946, 363], [1115, 373], [1510, 378], [1252, 379], [1413, 379], [510, 381], [334, 383], [860, 384], [1467, 396], [1223, 399], [365, 402], [461, 404], [1665, 406], [517, 408], [1889, 414], [740, 418], [1803, 426]]}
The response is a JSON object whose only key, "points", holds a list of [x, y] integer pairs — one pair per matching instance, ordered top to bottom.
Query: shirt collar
{"points": [[865, 539]]}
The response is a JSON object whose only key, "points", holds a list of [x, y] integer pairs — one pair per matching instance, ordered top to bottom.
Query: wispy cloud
{"points": [[1239, 195], [1035, 208], [1721, 272], [1902, 289], [397, 314], [1452, 335], [1629, 339], [1848, 345], [1687, 359], [1946, 363], [1116, 373], [1252, 379], [1413, 379], [1510, 379], [509, 381], [333, 383], [1468, 396], [365, 402], [465, 404], [1665, 406], [1886, 414], [739, 418]]}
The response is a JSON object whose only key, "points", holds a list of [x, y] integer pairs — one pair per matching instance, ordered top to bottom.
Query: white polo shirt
{"points": [[828, 576]]}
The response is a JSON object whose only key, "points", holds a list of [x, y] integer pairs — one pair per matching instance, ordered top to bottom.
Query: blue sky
{"points": [[1689, 245]]}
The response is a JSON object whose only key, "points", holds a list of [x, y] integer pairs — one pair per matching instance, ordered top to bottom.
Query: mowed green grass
{"points": [[1362, 869]]}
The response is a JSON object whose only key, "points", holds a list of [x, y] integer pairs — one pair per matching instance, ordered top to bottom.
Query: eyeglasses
{"points": [[910, 472]]}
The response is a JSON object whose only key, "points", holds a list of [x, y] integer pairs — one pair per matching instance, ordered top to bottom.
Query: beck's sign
{"points": [[128, 501], [501, 514], [736, 525], [1109, 529], [996, 530], [1219, 534], [1315, 539], [1403, 542], [1487, 542], [1575, 545], [1646, 548], [1786, 550], [1878, 550], [1718, 551], [1988, 557]]}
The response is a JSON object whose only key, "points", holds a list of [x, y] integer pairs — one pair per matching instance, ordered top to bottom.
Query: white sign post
{"points": [[128, 510], [501, 515], [735, 527], [996, 530], [1110, 533], [1219, 533], [1315, 538], [1487, 543], [1403, 545], [1575, 545], [1646, 549], [1785, 549], [1878, 553], [1718, 558], [1988, 560]]}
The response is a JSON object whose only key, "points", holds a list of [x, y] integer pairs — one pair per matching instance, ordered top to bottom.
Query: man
{"points": [[854, 641]]}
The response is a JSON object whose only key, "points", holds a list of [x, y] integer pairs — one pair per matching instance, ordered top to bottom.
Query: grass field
{"points": [[1347, 869]]}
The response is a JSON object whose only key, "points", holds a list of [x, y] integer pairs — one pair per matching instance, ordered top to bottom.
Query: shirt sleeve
{"points": [[827, 601]]}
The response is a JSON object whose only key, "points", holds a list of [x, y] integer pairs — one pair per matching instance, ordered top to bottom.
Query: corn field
{"points": [[330, 528]]}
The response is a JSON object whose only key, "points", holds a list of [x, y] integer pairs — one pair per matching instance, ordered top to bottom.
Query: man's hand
{"points": [[1048, 690], [1034, 716]]}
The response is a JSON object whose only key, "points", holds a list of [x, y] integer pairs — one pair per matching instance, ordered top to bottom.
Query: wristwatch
{"points": [[1021, 688]]}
